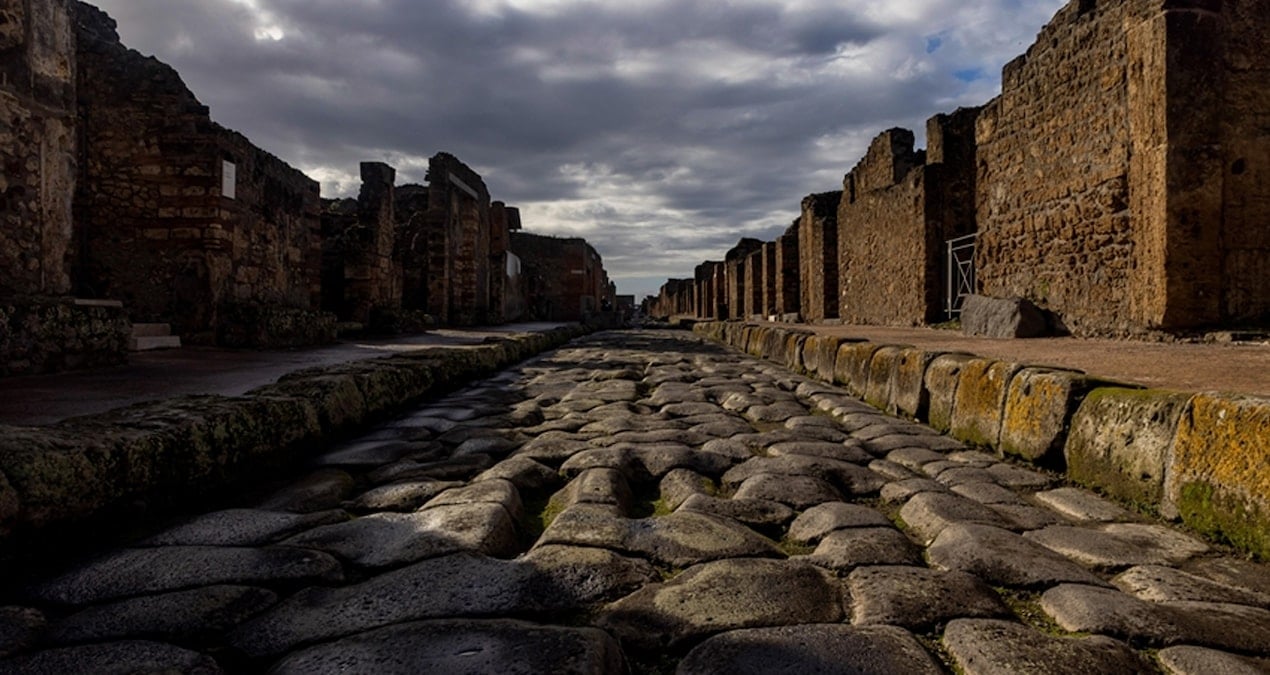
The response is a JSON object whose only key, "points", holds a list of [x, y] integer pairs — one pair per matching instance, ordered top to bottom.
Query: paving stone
{"points": [[738, 401], [691, 408], [774, 413], [424, 420], [810, 421], [721, 428], [822, 434], [682, 437], [491, 445], [883, 445], [736, 448], [552, 450], [839, 451], [370, 453], [914, 458], [973, 458], [647, 461], [458, 468], [933, 469], [890, 470], [523, 472], [965, 475], [1018, 477], [850, 478], [679, 485], [596, 486], [903, 490], [320, 491], [497, 491], [799, 492], [987, 493], [406, 496], [1083, 505], [928, 513], [763, 515], [1024, 517], [814, 523], [242, 527], [391, 539], [680, 539], [1117, 546], [843, 550], [1003, 558], [133, 572], [1235, 572], [1165, 584], [461, 585], [721, 596], [919, 598], [197, 615], [1207, 624], [20, 629], [993, 647], [463, 648], [815, 649], [116, 658], [1202, 661]]}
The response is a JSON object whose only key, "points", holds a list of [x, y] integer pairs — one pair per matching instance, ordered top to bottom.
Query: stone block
{"points": [[1002, 318], [794, 350], [820, 354], [851, 369], [880, 376], [942, 377], [909, 395], [980, 401], [1038, 407], [1121, 440], [1219, 477], [9, 505]]}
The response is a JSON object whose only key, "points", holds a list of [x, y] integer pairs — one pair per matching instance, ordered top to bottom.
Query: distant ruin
{"points": [[1121, 181], [124, 203]]}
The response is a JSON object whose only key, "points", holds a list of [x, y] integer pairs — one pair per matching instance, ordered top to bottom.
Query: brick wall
{"points": [[37, 146], [177, 216], [818, 256]]}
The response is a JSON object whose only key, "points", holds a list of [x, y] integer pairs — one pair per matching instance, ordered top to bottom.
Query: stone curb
{"points": [[1200, 457], [85, 467]]}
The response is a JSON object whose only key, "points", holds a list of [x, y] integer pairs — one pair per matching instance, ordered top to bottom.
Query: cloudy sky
{"points": [[660, 130]]}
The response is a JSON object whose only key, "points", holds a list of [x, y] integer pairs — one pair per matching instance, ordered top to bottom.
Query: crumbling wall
{"points": [[37, 146], [898, 208], [177, 216], [457, 243], [818, 256], [770, 270], [788, 273], [361, 276], [563, 278], [704, 291], [737, 292], [753, 292]]}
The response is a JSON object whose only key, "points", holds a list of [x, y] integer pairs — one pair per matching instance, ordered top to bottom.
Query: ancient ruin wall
{"points": [[37, 146], [898, 208], [175, 215], [457, 243], [818, 256], [770, 274], [563, 277], [788, 279], [753, 292], [737, 295]]}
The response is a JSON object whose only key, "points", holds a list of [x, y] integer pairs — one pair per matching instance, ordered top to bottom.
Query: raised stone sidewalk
{"points": [[650, 502]]}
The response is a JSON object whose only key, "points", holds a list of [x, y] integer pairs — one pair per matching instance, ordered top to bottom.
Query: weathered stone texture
{"points": [[178, 216], [818, 256], [360, 271], [788, 273], [564, 278], [738, 295]]}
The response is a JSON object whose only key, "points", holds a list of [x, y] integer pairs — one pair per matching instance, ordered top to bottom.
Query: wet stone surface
{"points": [[648, 502]]}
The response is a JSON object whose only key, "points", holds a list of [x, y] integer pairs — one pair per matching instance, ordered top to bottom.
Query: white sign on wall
{"points": [[229, 179]]}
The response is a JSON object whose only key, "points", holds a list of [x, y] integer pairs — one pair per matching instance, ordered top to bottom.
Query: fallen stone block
{"points": [[1003, 318]]}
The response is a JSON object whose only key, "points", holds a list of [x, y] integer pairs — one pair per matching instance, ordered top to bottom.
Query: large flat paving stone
{"points": [[652, 461], [852, 479], [798, 492], [402, 497], [1083, 505], [929, 513], [763, 515], [814, 523], [242, 527], [390, 539], [680, 539], [1119, 545], [843, 550], [1003, 558], [133, 572], [1165, 584], [456, 586], [721, 596], [918, 598], [196, 615], [1206, 624], [993, 647], [463, 648], [811, 649], [128, 657], [1201, 661]]}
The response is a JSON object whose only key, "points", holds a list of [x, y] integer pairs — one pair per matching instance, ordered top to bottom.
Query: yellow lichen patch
{"points": [[881, 372], [941, 381], [909, 396], [980, 401], [1037, 407], [1219, 476]]}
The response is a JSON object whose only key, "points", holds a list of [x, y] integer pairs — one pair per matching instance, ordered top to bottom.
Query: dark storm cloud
{"points": [[662, 130]]}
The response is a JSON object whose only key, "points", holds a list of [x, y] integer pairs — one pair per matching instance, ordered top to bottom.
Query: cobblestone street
{"points": [[650, 502]]}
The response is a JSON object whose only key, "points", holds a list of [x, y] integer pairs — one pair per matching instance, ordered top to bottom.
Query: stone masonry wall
{"points": [[37, 146], [898, 208], [176, 216], [457, 243], [818, 256], [753, 264], [360, 271], [770, 274], [563, 278], [788, 279], [737, 295]]}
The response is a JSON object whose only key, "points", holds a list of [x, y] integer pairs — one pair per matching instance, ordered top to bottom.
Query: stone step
{"points": [[140, 330], [147, 343]]}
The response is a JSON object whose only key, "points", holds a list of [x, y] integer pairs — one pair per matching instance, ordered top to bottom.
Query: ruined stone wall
{"points": [[37, 146], [898, 207], [177, 216], [458, 243], [818, 256], [768, 265], [361, 275], [564, 278], [788, 279], [703, 290], [753, 291], [737, 295]]}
